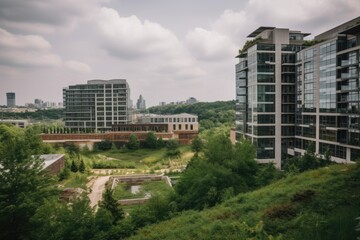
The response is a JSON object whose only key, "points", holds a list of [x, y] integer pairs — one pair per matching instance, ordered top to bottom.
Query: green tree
{"points": [[151, 140], [133, 142], [104, 145], [196, 145], [172, 148], [218, 148], [74, 166], [82, 166], [24, 185], [110, 203]]}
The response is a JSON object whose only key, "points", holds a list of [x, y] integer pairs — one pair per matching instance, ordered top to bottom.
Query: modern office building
{"points": [[292, 94], [10, 99], [140, 104], [97, 105]]}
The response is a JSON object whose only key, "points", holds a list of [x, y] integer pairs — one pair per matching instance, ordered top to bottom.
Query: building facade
{"points": [[291, 95], [10, 100], [97, 105], [175, 122]]}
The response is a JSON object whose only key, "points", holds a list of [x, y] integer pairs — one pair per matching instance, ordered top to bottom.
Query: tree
{"points": [[151, 140], [133, 142], [104, 145], [196, 145], [172, 148], [218, 148], [82, 166], [74, 167], [221, 172], [24, 185], [111, 204]]}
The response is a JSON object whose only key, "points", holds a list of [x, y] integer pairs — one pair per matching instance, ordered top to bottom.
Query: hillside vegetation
{"points": [[318, 204]]}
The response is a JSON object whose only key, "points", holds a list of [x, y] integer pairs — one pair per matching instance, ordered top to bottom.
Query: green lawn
{"points": [[76, 180], [122, 191]]}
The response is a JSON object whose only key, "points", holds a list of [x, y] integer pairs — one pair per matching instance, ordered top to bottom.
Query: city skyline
{"points": [[159, 47]]}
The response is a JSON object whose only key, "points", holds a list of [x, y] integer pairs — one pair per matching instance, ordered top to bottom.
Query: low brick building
{"points": [[53, 162]]}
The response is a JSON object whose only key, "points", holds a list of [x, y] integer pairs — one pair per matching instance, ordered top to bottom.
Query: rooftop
{"points": [[350, 27], [50, 159]]}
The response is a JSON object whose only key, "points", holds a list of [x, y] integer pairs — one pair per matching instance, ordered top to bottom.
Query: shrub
{"points": [[304, 196], [283, 211]]}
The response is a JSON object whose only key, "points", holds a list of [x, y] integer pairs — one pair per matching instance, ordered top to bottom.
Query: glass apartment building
{"points": [[291, 95], [97, 105]]}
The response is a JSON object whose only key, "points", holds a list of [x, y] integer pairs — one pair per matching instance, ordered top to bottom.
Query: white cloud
{"points": [[129, 37], [209, 45], [156, 48], [26, 51], [78, 67]]}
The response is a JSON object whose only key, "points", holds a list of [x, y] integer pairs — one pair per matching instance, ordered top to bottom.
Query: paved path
{"points": [[97, 190]]}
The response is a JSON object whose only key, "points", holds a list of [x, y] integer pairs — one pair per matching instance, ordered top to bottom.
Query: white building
{"points": [[176, 122]]}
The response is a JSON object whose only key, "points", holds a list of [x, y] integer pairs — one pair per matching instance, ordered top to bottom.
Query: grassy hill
{"points": [[319, 204]]}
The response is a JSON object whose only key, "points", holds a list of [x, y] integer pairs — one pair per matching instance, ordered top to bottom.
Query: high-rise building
{"points": [[293, 94], [10, 99], [140, 104], [97, 105]]}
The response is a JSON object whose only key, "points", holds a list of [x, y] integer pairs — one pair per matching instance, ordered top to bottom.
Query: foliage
{"points": [[248, 44], [50, 114], [210, 114], [151, 141], [133, 142], [104, 145], [196, 145], [172, 148], [72, 149], [306, 162], [82, 166], [74, 167], [223, 171], [267, 174], [24, 185], [111, 204], [318, 204]]}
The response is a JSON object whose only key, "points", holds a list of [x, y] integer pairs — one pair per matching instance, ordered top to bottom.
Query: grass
{"points": [[142, 159], [76, 180], [122, 190], [319, 204]]}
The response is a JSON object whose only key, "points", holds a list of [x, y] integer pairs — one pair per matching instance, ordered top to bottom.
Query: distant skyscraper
{"points": [[10, 97], [141, 103]]}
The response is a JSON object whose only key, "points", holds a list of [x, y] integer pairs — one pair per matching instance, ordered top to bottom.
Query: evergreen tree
{"points": [[82, 166], [74, 167], [111, 204]]}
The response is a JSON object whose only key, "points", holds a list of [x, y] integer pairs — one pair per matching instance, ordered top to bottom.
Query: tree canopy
{"points": [[24, 185]]}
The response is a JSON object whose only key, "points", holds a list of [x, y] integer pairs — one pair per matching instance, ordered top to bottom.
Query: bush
{"points": [[133, 142], [104, 145], [304, 196], [283, 211]]}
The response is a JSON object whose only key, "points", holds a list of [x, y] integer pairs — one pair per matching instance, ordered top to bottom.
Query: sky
{"points": [[167, 50]]}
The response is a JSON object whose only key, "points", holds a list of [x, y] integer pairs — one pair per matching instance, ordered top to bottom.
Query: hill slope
{"points": [[319, 204]]}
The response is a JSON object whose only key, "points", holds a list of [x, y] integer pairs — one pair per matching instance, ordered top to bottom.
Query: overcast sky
{"points": [[167, 50]]}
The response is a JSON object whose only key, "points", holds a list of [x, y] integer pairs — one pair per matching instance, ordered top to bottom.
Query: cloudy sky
{"points": [[167, 50]]}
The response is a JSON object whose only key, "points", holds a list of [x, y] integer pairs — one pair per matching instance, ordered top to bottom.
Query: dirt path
{"points": [[97, 190]]}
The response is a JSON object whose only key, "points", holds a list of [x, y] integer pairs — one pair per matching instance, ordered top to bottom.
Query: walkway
{"points": [[97, 190]]}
